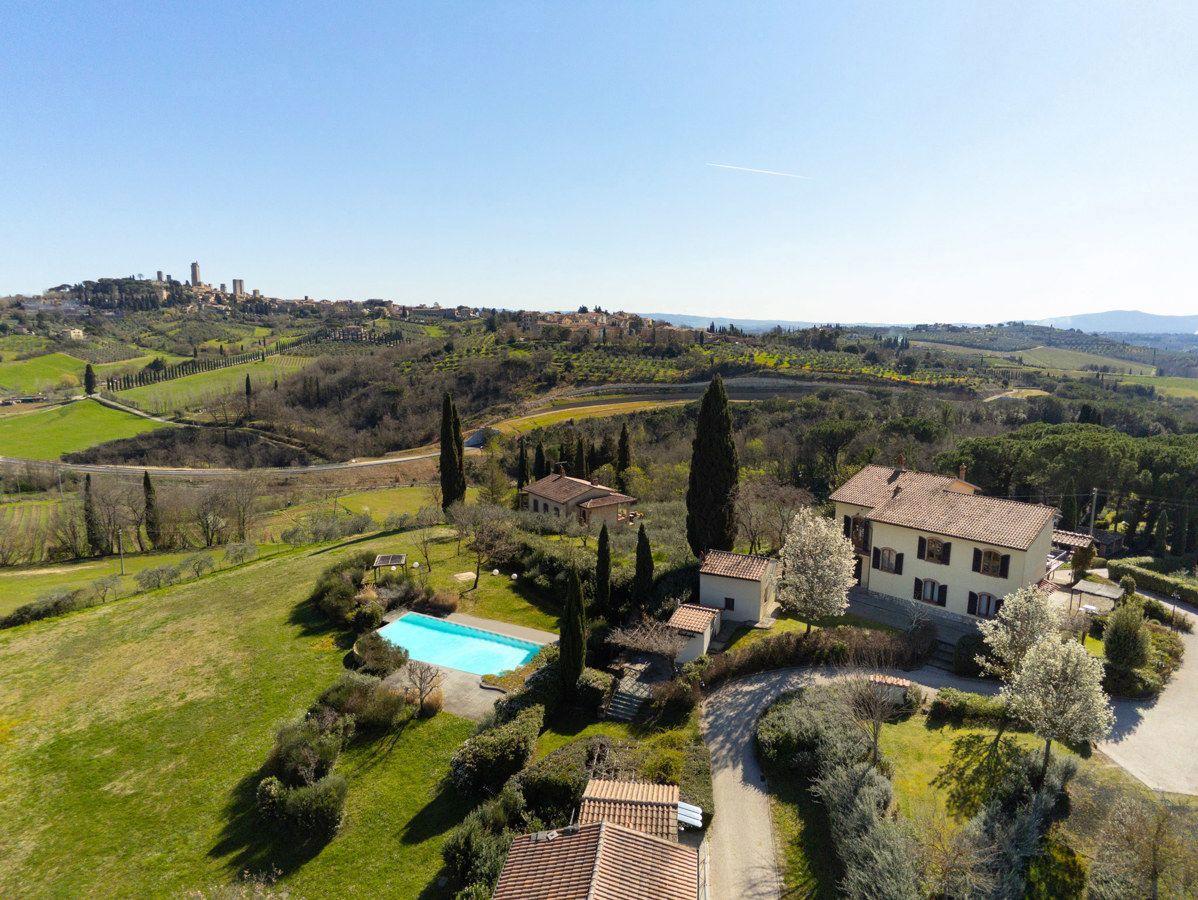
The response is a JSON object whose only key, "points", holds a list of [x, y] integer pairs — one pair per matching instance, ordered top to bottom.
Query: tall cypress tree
{"points": [[89, 379], [249, 389], [624, 450], [580, 459], [540, 465], [522, 467], [453, 481], [711, 492], [1069, 509], [153, 522], [92, 526], [1161, 533], [603, 576], [642, 576], [572, 643]]}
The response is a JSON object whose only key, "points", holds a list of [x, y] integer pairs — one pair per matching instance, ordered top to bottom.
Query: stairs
{"points": [[943, 655], [627, 700]]}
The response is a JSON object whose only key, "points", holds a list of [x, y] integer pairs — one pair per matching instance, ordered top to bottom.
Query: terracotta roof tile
{"points": [[561, 488], [611, 499], [1071, 538], [734, 565], [693, 618], [643, 806], [602, 861]]}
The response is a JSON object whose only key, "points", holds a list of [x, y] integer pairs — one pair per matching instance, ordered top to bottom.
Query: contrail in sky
{"points": [[759, 171]]}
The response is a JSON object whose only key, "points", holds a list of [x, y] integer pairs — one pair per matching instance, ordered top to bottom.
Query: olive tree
{"points": [[817, 568], [1026, 615]]}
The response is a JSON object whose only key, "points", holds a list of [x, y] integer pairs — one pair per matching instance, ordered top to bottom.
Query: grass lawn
{"points": [[40, 373], [1169, 385], [194, 390], [593, 411], [49, 433], [379, 504], [21, 584], [749, 635], [130, 735]]}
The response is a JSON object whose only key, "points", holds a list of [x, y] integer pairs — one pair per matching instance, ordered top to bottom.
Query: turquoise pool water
{"points": [[457, 646]]}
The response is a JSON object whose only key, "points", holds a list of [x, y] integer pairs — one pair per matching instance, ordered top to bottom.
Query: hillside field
{"points": [[1056, 358], [41, 373], [1169, 385], [193, 390], [549, 417], [49, 433], [131, 734]]}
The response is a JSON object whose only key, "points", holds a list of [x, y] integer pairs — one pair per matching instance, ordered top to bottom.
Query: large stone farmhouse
{"points": [[562, 495], [936, 539]]}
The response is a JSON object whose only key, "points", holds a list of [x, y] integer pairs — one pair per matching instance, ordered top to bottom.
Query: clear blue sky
{"points": [[963, 161]]}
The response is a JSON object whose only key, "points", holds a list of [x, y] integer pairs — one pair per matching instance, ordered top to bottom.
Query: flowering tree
{"points": [[817, 568], [1026, 616], [1057, 692]]}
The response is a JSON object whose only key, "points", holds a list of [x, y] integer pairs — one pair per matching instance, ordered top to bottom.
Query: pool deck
{"points": [[463, 692]]}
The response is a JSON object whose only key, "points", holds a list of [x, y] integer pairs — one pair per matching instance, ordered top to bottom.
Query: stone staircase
{"points": [[631, 692]]}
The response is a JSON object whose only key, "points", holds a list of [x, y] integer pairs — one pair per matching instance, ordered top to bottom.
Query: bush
{"points": [[325, 525], [236, 554], [198, 564], [1138, 568], [157, 577], [336, 592], [55, 603], [440, 603], [1125, 638], [965, 655], [379, 656], [1135, 684], [543, 688], [363, 698], [673, 701], [962, 706], [303, 753], [491, 757], [663, 766], [313, 811], [474, 852], [1058, 873]]}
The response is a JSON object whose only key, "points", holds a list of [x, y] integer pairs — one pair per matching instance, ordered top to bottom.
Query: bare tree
{"points": [[242, 499], [209, 514], [427, 519], [490, 531], [649, 636], [423, 680], [873, 705], [957, 861]]}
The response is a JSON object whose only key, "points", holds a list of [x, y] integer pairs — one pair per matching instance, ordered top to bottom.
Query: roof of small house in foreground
{"points": [[564, 488], [941, 505], [727, 564], [693, 618], [644, 806], [598, 861]]}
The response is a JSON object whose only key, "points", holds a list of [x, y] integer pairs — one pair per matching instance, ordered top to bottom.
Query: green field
{"points": [[13, 344], [1056, 358], [41, 373], [1169, 385], [195, 390], [593, 411], [49, 433], [378, 504], [22, 584], [130, 735]]}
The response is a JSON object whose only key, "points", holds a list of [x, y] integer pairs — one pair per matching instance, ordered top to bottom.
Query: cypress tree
{"points": [[89, 379], [249, 390], [460, 444], [624, 450], [580, 459], [540, 465], [522, 467], [453, 482], [711, 491], [1069, 510], [153, 523], [92, 526], [1161, 534], [603, 576], [642, 576], [572, 643]]}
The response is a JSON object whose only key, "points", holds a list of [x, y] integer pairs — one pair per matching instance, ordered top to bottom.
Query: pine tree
{"points": [[89, 379], [580, 459], [540, 465], [522, 467], [453, 481], [711, 492], [91, 520], [152, 520], [603, 575], [642, 576], [572, 643]]}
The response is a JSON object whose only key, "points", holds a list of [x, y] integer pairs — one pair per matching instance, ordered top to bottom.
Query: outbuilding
{"points": [[742, 586], [698, 624]]}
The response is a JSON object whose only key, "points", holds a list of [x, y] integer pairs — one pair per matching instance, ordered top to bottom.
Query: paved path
{"points": [[741, 836]]}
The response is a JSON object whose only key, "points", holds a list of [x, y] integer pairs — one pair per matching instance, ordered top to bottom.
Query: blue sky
{"points": [[962, 161]]}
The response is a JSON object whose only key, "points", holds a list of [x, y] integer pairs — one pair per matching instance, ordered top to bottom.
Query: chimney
{"points": [[902, 460], [961, 471]]}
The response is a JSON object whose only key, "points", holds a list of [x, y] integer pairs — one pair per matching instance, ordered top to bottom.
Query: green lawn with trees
{"points": [[178, 394]]}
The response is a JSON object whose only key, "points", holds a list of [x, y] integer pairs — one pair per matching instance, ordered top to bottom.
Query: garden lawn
{"points": [[40, 373], [195, 390], [592, 411], [49, 433], [21, 584], [749, 635], [130, 735]]}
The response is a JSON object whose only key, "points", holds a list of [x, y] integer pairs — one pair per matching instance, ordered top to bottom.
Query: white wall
{"points": [[748, 597], [695, 648]]}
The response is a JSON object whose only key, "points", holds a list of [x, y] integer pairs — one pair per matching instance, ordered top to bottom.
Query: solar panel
{"points": [[390, 559]]}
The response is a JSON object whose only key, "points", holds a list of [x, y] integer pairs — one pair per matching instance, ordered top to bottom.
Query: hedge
{"points": [[1137, 568], [963, 706], [488, 759]]}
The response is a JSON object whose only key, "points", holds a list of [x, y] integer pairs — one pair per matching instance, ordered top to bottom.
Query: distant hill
{"points": [[1126, 321], [750, 325]]}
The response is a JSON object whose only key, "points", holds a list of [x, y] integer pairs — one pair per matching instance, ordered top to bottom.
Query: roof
{"points": [[563, 488], [610, 500], [942, 505], [1071, 539], [390, 559], [734, 565], [1099, 589], [693, 618], [643, 806], [597, 861]]}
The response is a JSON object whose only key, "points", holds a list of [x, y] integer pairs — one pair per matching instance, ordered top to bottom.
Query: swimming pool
{"points": [[458, 646]]}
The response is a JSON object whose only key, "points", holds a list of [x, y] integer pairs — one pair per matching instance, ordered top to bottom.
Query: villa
{"points": [[558, 495], [936, 539]]}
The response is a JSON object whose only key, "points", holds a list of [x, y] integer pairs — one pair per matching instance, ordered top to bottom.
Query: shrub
{"points": [[325, 525], [236, 554], [198, 564], [1138, 568], [157, 577], [336, 591], [55, 603], [440, 603], [1125, 638], [965, 655], [379, 656], [1135, 684], [543, 688], [349, 695], [673, 701], [433, 702], [962, 706], [303, 752], [490, 757], [663, 765], [314, 811], [475, 850], [1057, 873]]}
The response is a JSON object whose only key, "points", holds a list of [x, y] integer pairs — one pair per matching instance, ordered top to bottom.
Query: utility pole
{"points": [[1093, 508], [120, 547]]}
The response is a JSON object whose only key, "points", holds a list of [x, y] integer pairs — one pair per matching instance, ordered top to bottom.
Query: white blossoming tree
{"points": [[817, 568], [1026, 616], [1057, 692]]}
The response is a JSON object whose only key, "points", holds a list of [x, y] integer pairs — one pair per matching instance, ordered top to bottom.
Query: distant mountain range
{"points": [[1126, 321]]}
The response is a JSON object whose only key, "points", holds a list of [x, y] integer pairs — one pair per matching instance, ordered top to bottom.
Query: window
{"points": [[535, 505], [858, 532], [934, 550], [888, 561], [991, 563], [928, 593], [729, 604], [987, 606]]}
